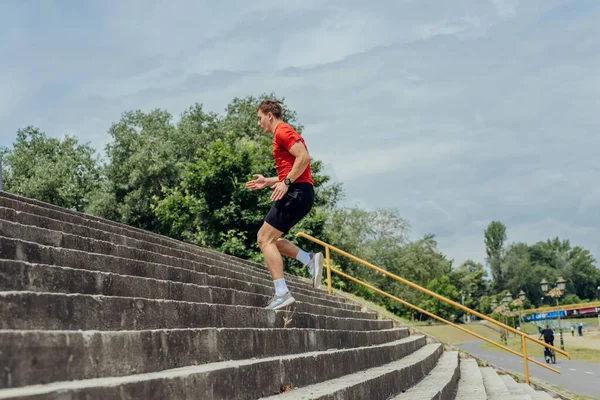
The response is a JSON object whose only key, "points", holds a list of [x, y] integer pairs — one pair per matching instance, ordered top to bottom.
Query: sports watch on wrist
{"points": [[287, 181]]}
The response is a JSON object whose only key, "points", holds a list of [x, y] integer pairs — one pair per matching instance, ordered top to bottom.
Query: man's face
{"points": [[264, 121]]}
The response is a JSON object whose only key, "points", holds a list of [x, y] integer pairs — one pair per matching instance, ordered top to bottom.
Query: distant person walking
{"points": [[293, 197]]}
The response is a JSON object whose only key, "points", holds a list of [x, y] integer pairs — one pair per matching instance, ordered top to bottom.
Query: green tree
{"points": [[148, 152], [57, 171], [211, 206], [374, 236], [495, 236], [419, 261], [523, 267], [520, 273], [583, 276], [470, 279], [443, 287], [571, 298]]}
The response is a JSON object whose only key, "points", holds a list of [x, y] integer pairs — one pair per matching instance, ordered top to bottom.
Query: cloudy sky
{"points": [[456, 112]]}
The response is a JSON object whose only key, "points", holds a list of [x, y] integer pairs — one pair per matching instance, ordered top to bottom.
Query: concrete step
{"points": [[35, 207], [21, 221], [120, 234], [57, 238], [16, 249], [20, 276], [58, 311], [40, 357], [239, 379], [376, 383], [438, 384], [470, 385], [494, 386], [516, 390], [535, 394]]}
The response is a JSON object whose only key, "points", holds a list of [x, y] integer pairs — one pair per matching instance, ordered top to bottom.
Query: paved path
{"points": [[576, 376]]}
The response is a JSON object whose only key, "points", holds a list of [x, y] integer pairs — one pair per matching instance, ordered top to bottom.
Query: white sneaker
{"points": [[315, 267], [278, 302]]}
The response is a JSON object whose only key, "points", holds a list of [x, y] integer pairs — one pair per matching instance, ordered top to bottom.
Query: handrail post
{"points": [[0, 174], [328, 264], [524, 345]]}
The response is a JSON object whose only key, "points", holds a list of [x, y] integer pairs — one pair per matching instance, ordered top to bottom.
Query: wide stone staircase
{"points": [[92, 309]]}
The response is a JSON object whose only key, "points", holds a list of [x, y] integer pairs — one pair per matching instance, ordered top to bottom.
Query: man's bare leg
{"points": [[267, 239], [287, 248], [313, 262]]}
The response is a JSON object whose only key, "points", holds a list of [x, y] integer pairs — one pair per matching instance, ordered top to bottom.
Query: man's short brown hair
{"points": [[271, 106]]}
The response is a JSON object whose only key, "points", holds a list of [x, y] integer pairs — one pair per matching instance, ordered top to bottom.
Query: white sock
{"points": [[303, 257], [280, 287]]}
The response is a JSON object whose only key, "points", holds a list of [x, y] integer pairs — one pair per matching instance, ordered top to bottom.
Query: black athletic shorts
{"points": [[292, 207]]}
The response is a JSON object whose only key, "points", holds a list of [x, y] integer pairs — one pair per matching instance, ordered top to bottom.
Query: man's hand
{"points": [[259, 182], [279, 190]]}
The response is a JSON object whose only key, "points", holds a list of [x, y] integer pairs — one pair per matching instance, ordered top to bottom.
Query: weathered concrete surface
{"points": [[39, 208], [47, 210], [53, 232], [58, 239], [201, 274], [18, 275], [96, 309], [57, 311], [38, 357], [245, 379], [376, 383], [440, 384], [470, 386], [494, 386], [517, 392], [535, 394]]}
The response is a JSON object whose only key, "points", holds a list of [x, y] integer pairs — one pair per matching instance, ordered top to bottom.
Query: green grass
{"points": [[452, 335], [586, 348]]}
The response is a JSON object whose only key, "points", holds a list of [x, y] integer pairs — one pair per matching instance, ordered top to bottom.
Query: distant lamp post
{"points": [[544, 284], [561, 284], [507, 299], [494, 304], [521, 305], [502, 311], [466, 317]]}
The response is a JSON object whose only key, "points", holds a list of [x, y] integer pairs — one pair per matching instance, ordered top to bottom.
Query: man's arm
{"points": [[301, 162], [272, 181]]}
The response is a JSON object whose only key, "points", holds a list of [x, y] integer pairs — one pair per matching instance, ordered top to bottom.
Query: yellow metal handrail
{"points": [[524, 336]]}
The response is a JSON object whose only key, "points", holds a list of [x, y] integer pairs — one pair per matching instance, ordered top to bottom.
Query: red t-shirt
{"points": [[283, 139]]}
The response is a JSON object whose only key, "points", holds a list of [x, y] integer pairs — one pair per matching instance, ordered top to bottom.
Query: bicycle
{"points": [[549, 355]]}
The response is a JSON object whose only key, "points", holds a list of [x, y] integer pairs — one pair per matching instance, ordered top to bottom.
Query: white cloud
{"points": [[457, 113], [402, 159]]}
